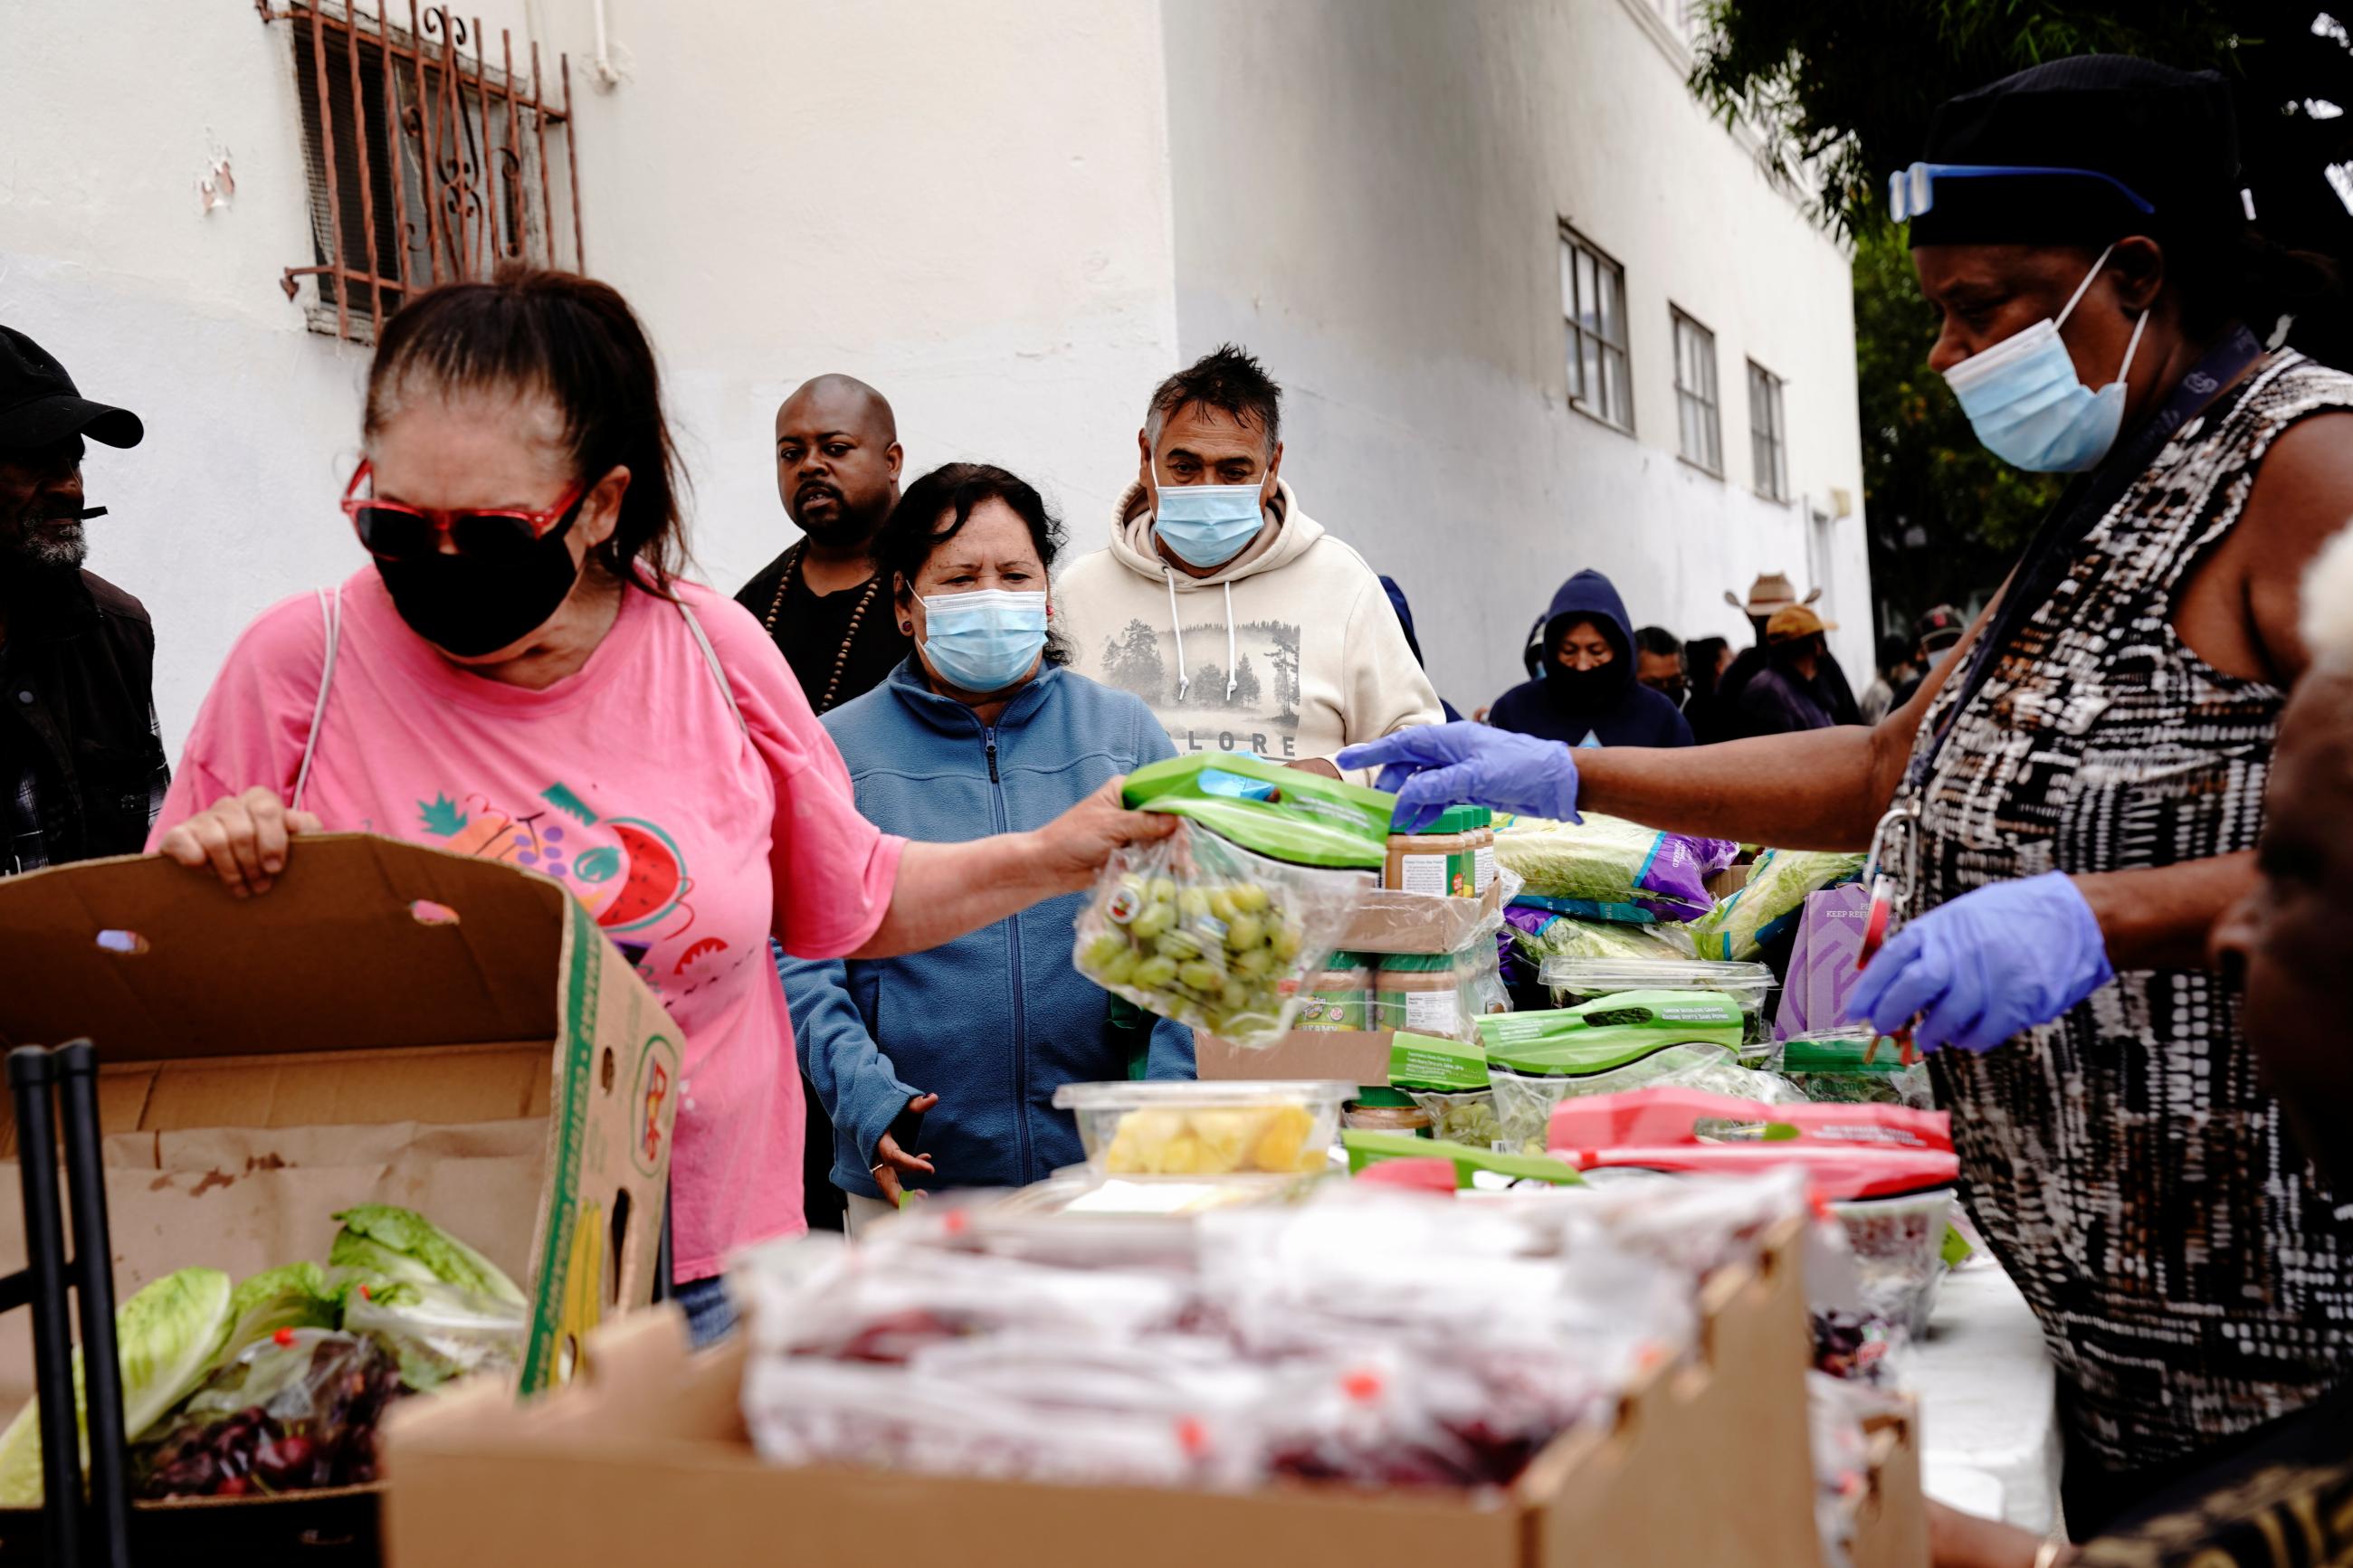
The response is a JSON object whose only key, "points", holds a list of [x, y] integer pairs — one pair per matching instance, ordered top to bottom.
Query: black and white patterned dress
{"points": [[2124, 1162]]}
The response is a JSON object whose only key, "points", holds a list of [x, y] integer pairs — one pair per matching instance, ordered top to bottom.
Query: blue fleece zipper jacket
{"points": [[995, 1022]]}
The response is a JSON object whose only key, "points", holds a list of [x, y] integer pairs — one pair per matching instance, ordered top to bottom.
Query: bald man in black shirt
{"points": [[837, 461]]}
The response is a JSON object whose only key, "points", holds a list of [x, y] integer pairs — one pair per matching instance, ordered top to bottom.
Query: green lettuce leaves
{"points": [[400, 1243]]}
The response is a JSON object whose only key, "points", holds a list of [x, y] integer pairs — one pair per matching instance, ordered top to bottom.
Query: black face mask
{"points": [[469, 607], [1578, 689]]}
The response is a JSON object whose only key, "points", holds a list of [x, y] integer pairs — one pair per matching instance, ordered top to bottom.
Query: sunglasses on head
{"points": [[394, 530]]}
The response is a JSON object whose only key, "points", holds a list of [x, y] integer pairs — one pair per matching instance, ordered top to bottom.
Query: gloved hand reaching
{"points": [[1437, 765], [1987, 966]]}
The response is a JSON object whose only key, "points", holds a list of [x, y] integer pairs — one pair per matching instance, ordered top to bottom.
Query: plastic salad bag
{"points": [[1607, 869], [1768, 906], [1220, 926], [1540, 933], [1585, 983], [1839, 1067], [1448, 1079], [296, 1411]]}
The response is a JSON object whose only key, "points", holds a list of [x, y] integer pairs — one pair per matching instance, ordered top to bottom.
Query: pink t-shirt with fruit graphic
{"points": [[632, 784]]}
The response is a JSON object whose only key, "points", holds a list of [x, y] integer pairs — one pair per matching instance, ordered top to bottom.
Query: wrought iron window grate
{"points": [[427, 163]]}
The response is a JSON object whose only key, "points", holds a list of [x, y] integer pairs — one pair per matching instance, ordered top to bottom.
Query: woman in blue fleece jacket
{"points": [[939, 1068]]}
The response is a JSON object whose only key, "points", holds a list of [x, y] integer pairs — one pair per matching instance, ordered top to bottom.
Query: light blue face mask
{"points": [[2030, 408], [1208, 525], [983, 641]]}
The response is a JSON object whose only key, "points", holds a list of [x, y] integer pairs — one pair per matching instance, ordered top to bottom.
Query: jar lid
{"points": [[1453, 819], [1343, 959], [1418, 962], [1382, 1094]]}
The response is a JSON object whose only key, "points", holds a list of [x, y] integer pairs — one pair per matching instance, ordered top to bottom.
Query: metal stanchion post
{"points": [[32, 1074], [93, 1282]]}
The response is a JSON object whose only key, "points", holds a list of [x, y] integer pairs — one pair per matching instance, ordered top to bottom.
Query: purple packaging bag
{"points": [[1677, 876], [1823, 960]]}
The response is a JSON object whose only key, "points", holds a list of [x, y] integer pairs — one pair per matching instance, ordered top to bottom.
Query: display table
{"points": [[1988, 1427]]}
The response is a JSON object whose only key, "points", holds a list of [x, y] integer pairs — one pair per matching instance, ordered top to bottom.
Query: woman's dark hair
{"points": [[2248, 275], [577, 341], [935, 509], [1699, 661]]}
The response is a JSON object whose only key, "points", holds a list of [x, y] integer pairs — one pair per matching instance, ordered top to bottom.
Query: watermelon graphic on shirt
{"points": [[656, 878]]}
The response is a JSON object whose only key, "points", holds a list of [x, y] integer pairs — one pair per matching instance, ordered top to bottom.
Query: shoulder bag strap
{"points": [[331, 608], [718, 671]]}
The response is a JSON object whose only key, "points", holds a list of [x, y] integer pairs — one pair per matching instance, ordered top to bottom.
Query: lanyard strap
{"points": [[2072, 519]]}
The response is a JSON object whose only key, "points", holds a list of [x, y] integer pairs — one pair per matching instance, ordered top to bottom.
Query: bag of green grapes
{"points": [[1218, 925]]}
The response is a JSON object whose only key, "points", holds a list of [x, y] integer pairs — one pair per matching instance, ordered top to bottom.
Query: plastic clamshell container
{"points": [[1572, 980], [1195, 1129], [1899, 1250]]}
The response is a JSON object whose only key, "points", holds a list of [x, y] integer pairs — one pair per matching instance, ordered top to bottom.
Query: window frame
{"points": [[1607, 273], [1710, 402], [1771, 479]]}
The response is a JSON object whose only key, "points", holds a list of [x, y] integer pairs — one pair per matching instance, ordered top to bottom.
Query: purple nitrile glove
{"points": [[1437, 765], [1987, 966]]}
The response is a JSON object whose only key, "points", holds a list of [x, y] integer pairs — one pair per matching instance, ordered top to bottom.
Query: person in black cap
{"points": [[81, 762], [2077, 793]]}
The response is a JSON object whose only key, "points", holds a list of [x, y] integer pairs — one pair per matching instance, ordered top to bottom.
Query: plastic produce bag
{"points": [[1608, 868], [1761, 911], [1197, 928], [1540, 933], [1577, 982], [1832, 1067], [1448, 1079], [439, 1332], [293, 1412]]}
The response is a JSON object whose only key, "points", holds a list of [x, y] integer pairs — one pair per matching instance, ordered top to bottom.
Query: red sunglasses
{"points": [[394, 530]]}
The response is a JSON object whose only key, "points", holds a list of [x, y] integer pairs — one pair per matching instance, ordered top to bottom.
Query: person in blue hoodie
{"points": [[1580, 658], [939, 1068]]}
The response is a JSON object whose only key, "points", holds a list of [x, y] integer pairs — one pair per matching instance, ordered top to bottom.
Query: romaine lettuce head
{"points": [[401, 1244], [293, 1297], [167, 1338]]}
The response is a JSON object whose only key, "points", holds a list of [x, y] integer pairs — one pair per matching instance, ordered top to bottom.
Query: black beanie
{"points": [[2170, 135]]}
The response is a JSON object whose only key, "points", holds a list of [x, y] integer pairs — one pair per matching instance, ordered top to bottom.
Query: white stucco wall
{"points": [[1367, 193], [965, 204]]}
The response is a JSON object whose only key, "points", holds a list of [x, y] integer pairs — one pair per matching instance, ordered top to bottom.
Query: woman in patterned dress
{"points": [[2085, 779]]}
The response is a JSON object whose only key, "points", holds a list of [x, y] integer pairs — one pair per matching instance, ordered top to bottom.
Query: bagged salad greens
{"points": [[1607, 869], [1768, 906], [1222, 926], [1540, 933], [1579, 983], [1829, 1066], [1448, 1079], [1477, 1166]]}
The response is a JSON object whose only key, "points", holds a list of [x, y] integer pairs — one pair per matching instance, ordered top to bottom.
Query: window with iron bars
{"points": [[427, 163]]}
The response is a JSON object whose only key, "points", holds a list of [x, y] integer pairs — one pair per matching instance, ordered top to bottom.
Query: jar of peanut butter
{"points": [[1444, 860], [1418, 993], [1338, 998]]}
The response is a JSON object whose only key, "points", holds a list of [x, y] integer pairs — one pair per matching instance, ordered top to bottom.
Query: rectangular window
{"points": [[431, 160], [1593, 302], [1695, 399], [1768, 434]]}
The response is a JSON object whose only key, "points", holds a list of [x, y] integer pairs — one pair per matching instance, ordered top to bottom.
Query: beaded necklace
{"points": [[849, 637]]}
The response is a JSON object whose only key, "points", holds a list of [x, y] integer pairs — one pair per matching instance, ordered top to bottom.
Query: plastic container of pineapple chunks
{"points": [[1191, 1128]]}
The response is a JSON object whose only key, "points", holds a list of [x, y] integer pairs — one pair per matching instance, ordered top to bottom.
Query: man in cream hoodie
{"points": [[1242, 623]]}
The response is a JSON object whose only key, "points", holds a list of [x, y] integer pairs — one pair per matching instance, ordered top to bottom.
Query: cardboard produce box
{"points": [[389, 1024], [645, 1458], [1891, 1525]]}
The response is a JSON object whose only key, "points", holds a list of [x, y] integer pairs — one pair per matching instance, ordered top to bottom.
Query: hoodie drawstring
{"points": [[1176, 630], [1230, 674]]}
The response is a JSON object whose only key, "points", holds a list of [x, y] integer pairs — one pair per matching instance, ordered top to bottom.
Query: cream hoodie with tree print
{"points": [[1290, 650]]}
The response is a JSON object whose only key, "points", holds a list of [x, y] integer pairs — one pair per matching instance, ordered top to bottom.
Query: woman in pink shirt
{"points": [[519, 674]]}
